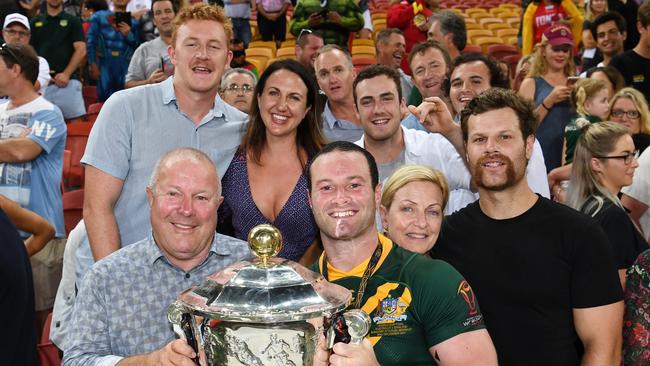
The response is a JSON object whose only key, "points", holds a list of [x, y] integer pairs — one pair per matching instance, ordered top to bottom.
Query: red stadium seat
{"points": [[471, 48], [499, 51], [512, 61], [361, 62], [89, 94], [93, 111], [76, 142], [67, 162], [73, 204], [48, 354]]}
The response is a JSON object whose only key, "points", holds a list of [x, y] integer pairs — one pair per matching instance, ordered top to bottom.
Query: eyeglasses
{"points": [[12, 32], [5, 47], [234, 88], [619, 113], [627, 158]]}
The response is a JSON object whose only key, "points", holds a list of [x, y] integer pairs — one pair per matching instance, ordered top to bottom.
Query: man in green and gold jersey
{"points": [[423, 311]]}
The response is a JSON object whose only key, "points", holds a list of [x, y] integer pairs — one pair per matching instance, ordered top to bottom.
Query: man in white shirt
{"points": [[380, 104]]}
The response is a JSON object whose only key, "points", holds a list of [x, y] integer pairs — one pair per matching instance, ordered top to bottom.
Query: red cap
{"points": [[558, 34]]}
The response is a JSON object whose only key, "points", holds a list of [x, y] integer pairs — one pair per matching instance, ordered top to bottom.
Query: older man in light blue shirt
{"points": [[120, 310]]}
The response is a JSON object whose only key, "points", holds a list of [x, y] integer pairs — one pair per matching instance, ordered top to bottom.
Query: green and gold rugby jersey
{"points": [[414, 302]]}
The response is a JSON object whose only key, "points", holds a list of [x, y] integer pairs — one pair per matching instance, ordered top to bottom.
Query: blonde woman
{"points": [[548, 86], [630, 108], [604, 162], [412, 207]]}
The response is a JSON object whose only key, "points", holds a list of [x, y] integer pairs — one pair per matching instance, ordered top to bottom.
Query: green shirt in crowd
{"points": [[351, 20], [572, 132]]}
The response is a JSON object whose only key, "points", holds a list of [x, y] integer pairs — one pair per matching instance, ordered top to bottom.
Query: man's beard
{"points": [[511, 177]]}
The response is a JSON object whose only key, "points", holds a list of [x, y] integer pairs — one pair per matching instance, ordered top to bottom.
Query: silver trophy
{"points": [[268, 312]]}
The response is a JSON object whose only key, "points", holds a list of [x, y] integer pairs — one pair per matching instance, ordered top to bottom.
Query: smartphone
{"points": [[123, 17], [162, 64], [572, 80]]}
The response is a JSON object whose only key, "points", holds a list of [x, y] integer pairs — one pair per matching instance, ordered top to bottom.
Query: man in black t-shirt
{"points": [[634, 64], [544, 274]]}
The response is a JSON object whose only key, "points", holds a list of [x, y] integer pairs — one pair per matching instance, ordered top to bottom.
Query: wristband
{"points": [[544, 106]]}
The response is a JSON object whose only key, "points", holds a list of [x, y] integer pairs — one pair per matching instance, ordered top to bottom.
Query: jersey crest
{"points": [[390, 310]]}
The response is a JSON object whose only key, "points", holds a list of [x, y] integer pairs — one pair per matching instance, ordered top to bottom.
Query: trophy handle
{"points": [[183, 325], [349, 327]]}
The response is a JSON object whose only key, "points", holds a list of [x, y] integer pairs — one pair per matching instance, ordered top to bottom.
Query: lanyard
{"points": [[366, 274]]}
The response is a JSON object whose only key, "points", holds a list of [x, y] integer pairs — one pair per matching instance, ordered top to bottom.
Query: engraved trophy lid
{"points": [[267, 289]]}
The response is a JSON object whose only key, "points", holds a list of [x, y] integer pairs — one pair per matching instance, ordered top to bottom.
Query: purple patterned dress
{"points": [[238, 213]]}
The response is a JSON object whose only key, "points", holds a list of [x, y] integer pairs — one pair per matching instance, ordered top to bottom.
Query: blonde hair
{"points": [[202, 11], [589, 13], [538, 66], [584, 90], [640, 103], [598, 139], [413, 173]]}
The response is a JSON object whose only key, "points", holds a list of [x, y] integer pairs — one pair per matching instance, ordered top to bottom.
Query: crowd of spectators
{"points": [[194, 145]]}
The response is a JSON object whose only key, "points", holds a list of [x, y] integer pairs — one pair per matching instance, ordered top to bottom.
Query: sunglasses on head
{"points": [[303, 32], [5, 48]]}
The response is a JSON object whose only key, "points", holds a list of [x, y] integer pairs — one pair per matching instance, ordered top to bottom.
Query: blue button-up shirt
{"points": [[139, 125], [338, 129], [121, 308]]}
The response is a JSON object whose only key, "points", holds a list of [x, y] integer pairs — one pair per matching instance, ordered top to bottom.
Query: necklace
{"points": [[366, 273]]}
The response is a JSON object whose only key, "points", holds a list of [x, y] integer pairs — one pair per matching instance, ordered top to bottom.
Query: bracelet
{"points": [[544, 106]]}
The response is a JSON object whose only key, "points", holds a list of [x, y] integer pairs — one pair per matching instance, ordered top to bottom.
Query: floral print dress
{"points": [[636, 324]]}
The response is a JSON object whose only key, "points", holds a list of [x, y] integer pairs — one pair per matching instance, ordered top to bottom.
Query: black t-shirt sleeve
{"points": [[77, 30], [618, 63], [623, 236], [438, 248], [594, 281]]}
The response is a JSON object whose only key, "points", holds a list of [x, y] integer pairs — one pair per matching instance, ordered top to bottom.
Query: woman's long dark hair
{"points": [[308, 137]]}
